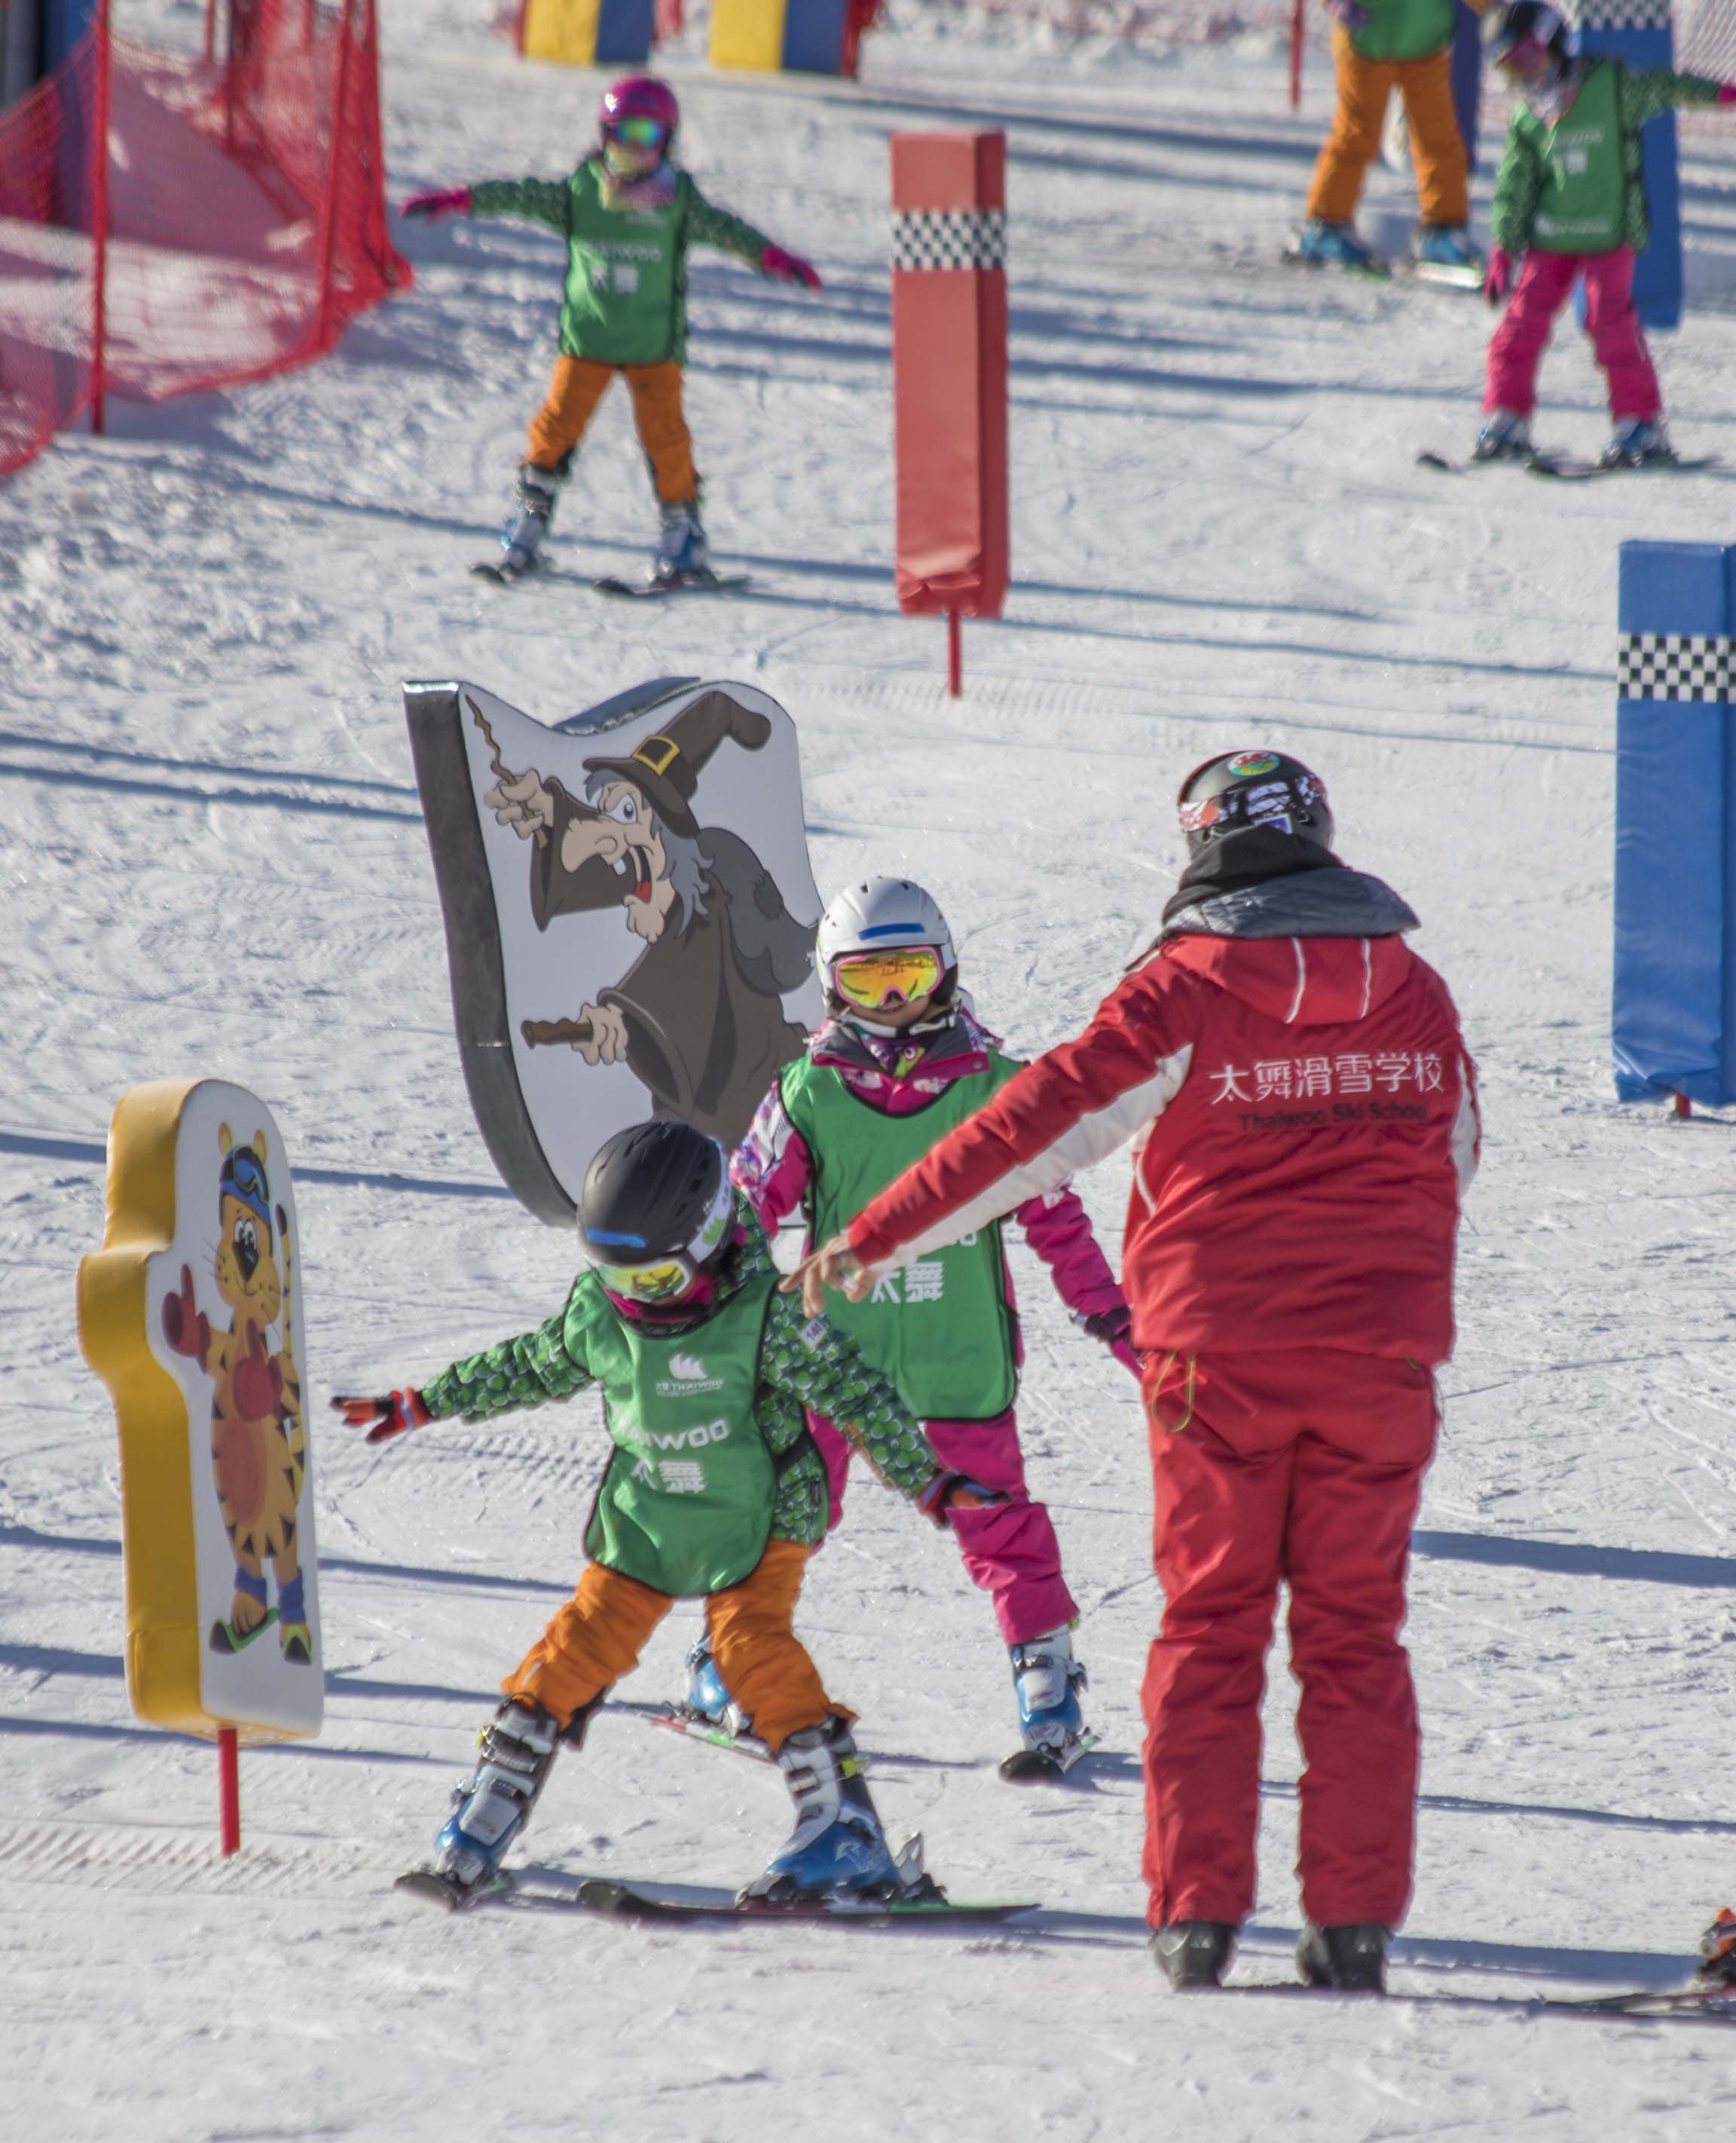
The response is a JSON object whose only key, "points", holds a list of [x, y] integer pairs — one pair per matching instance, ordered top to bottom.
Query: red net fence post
{"points": [[1298, 38], [99, 216], [249, 230], [949, 375]]}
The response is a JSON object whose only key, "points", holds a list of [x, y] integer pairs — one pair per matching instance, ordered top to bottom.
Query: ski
{"points": [[1370, 271], [1443, 276], [1429, 459], [1573, 472], [500, 573], [687, 584], [226, 1637], [709, 1730], [1040, 1766], [434, 1888], [622, 1900], [1713, 2004]]}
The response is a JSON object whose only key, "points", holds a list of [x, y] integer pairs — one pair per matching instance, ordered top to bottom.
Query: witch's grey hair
{"points": [[688, 863]]}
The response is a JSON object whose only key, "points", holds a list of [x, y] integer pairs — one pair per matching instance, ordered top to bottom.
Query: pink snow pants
{"points": [[1618, 340], [1010, 1552]]}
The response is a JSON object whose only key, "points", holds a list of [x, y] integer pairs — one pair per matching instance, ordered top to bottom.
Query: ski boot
{"points": [[1320, 244], [1447, 248], [1505, 436], [1639, 443], [523, 538], [683, 553], [1048, 1680], [707, 1698], [492, 1807], [838, 1849], [1194, 1953], [1353, 1959], [1717, 1966]]}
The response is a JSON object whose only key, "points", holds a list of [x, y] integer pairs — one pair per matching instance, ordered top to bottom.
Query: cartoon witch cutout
{"points": [[258, 1442]]}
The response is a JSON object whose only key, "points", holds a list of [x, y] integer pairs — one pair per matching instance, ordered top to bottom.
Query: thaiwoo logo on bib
{"points": [[688, 1378]]}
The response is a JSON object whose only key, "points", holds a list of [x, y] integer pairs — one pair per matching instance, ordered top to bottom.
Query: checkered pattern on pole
{"points": [[1619, 14], [949, 238], [1674, 666]]}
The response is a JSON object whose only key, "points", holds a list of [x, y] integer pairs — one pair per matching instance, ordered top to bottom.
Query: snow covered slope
{"points": [[213, 862]]}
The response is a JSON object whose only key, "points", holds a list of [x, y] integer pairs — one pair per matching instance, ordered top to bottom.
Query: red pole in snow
{"points": [[1299, 31], [99, 222], [955, 654], [1684, 1107], [229, 1787]]}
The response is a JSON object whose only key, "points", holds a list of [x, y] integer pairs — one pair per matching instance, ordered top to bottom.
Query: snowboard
{"points": [[690, 584]]}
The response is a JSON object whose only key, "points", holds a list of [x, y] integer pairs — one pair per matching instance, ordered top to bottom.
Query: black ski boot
{"points": [[1194, 1953], [1353, 1959]]}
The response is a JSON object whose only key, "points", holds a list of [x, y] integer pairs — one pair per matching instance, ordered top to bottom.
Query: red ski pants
{"points": [[1618, 341], [1303, 1467]]}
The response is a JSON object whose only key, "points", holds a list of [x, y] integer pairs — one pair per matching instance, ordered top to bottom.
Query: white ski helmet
{"points": [[879, 915]]}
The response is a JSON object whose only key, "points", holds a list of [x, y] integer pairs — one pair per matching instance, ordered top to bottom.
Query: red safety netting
{"points": [[236, 223]]}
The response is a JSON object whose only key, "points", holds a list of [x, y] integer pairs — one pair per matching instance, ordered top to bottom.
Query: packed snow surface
{"points": [[214, 863]]}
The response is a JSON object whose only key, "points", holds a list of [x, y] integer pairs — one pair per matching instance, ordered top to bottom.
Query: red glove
{"points": [[1727, 92], [442, 200], [788, 267], [1499, 280], [187, 1328], [258, 1383], [386, 1417], [946, 1492]]}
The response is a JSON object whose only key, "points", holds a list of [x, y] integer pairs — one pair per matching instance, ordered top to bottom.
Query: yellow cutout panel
{"points": [[564, 30], [748, 34]]}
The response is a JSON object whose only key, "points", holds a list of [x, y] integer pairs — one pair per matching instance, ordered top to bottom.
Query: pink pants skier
{"points": [[1545, 283]]}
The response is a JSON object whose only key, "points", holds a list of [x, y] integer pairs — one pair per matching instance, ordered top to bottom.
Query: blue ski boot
{"points": [[1319, 245], [1447, 248], [1505, 436], [1640, 442], [523, 538], [683, 553], [1048, 1680], [707, 1697], [494, 1803], [838, 1849]]}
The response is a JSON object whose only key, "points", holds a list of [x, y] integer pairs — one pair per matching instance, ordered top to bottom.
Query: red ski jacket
{"points": [[1304, 1120]]}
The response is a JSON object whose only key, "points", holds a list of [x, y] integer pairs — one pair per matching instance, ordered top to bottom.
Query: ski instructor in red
{"points": [[1304, 1122]]}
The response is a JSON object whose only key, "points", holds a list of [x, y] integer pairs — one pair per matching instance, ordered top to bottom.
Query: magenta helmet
{"points": [[640, 97]]}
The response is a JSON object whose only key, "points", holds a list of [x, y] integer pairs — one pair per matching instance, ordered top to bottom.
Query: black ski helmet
{"points": [[1516, 22], [1240, 790], [656, 1190]]}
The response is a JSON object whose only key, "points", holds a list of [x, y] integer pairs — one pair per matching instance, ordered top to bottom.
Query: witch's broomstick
{"points": [[497, 766]]}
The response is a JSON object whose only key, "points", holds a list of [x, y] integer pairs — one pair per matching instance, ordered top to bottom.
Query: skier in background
{"points": [[1379, 45], [1569, 201], [628, 216], [900, 1060], [1304, 1121], [714, 1489]]}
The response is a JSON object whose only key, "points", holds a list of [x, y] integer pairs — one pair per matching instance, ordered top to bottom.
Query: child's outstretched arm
{"points": [[1645, 91], [538, 201], [708, 225], [525, 1372]]}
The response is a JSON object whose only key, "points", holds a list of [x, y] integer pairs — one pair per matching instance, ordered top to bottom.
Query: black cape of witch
{"points": [[706, 1030]]}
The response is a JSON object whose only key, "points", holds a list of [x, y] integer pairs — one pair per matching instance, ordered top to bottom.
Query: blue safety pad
{"points": [[624, 31], [813, 36], [1467, 76], [1658, 274], [1673, 1020]]}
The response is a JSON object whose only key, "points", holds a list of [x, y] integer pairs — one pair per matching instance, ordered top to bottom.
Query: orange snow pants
{"points": [[1437, 148], [578, 385], [1301, 1466], [598, 1635]]}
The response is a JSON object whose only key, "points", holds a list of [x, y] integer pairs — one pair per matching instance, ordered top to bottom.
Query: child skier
{"points": [[1379, 45], [1569, 201], [628, 216], [899, 1062], [714, 1488]]}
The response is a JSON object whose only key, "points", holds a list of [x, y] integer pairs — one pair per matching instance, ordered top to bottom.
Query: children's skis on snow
{"points": [[1565, 468], [505, 574], [1023, 1767], [922, 1902]]}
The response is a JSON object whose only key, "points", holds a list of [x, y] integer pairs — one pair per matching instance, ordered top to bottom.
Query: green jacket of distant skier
{"points": [[1576, 185], [625, 301]]}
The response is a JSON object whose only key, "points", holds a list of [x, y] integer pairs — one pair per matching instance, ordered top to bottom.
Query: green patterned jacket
{"points": [[803, 1362]]}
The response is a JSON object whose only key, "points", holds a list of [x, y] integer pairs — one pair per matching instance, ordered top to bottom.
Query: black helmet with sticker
{"points": [[1240, 789], [655, 1209]]}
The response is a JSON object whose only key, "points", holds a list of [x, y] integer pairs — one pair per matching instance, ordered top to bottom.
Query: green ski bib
{"points": [[1404, 29], [1580, 209], [626, 274], [941, 1330], [686, 1506]]}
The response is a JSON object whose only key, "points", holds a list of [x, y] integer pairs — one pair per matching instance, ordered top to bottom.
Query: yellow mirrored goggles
{"points": [[900, 975], [662, 1281]]}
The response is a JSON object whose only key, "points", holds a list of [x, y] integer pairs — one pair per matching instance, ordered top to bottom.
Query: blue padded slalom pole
{"points": [[1637, 32], [1467, 76], [1674, 1023]]}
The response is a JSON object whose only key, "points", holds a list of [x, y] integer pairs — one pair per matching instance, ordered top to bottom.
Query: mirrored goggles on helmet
{"points": [[1529, 57], [637, 132], [874, 982], [668, 1274]]}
